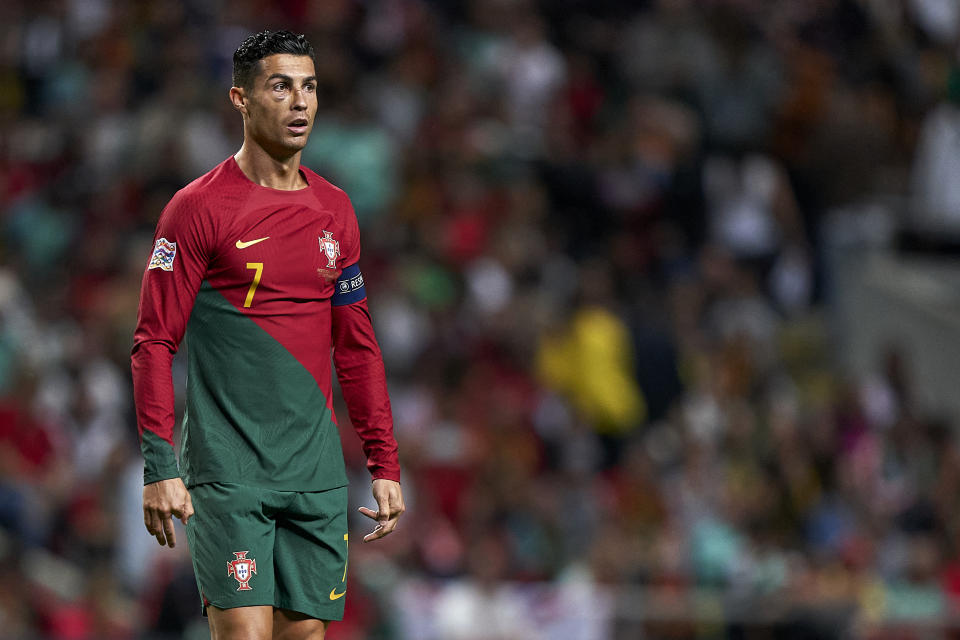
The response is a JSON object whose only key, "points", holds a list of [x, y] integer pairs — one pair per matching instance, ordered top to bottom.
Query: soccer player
{"points": [[257, 262]]}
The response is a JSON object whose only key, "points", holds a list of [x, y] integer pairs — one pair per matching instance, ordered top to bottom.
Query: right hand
{"points": [[162, 501]]}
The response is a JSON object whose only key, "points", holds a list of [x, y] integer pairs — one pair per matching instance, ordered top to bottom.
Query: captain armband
{"points": [[349, 286]]}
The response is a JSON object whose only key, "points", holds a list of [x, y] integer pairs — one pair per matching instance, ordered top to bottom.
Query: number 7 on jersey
{"points": [[258, 266]]}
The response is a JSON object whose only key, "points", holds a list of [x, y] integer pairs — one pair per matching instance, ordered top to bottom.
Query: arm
{"points": [[169, 287], [359, 365]]}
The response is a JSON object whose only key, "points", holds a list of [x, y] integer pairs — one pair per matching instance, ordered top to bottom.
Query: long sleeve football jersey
{"points": [[264, 283]]}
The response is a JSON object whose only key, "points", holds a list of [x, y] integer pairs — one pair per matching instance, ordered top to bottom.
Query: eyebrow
{"points": [[288, 79]]}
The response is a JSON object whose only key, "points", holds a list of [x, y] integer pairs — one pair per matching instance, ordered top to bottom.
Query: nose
{"points": [[299, 100]]}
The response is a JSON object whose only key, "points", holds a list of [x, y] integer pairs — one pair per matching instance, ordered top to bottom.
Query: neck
{"points": [[270, 171]]}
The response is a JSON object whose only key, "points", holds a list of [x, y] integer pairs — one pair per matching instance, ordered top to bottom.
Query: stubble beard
{"points": [[277, 140], [281, 146]]}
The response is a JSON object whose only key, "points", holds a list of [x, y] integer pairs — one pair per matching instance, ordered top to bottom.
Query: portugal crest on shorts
{"points": [[330, 248], [242, 569]]}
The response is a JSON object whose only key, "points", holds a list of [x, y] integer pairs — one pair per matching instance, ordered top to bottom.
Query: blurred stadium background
{"points": [[667, 292]]}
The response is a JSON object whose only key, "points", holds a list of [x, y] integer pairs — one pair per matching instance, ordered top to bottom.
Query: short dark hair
{"points": [[263, 44]]}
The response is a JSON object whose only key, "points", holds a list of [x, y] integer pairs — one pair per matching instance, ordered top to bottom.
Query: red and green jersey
{"points": [[264, 283]]}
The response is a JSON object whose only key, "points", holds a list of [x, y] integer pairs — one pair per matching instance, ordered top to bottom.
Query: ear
{"points": [[239, 99]]}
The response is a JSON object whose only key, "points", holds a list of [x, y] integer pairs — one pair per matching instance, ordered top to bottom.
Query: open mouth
{"points": [[298, 126]]}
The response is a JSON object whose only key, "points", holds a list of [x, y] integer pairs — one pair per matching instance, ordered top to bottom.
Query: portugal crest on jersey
{"points": [[330, 248], [242, 568]]}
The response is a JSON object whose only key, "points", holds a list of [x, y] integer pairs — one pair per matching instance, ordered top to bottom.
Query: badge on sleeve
{"points": [[163, 254], [349, 287]]}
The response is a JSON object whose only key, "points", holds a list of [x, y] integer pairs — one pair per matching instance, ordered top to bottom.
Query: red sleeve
{"points": [[170, 284], [356, 356], [359, 365]]}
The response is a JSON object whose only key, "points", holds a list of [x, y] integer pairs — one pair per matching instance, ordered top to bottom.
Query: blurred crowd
{"points": [[594, 256]]}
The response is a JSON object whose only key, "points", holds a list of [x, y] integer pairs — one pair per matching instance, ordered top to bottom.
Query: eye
{"points": [[280, 86], [310, 87]]}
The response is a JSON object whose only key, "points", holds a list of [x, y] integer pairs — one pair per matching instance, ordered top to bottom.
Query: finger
{"points": [[397, 508], [383, 509], [187, 510], [183, 512], [370, 513], [151, 521], [388, 528], [156, 529], [381, 531], [169, 533], [374, 535]]}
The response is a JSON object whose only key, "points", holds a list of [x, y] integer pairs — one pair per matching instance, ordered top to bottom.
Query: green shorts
{"points": [[254, 546]]}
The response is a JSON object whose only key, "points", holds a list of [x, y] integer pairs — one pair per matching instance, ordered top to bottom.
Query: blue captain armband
{"points": [[349, 286]]}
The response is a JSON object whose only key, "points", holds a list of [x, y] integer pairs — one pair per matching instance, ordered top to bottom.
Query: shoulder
{"points": [[213, 183], [326, 191], [200, 196], [335, 199], [194, 208]]}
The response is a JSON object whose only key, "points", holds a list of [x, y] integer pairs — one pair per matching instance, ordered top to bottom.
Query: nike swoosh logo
{"points": [[243, 245], [334, 595]]}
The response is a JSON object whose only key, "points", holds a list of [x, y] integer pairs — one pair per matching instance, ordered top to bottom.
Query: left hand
{"points": [[389, 499]]}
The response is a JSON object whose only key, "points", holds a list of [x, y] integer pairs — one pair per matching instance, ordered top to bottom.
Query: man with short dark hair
{"points": [[257, 263]]}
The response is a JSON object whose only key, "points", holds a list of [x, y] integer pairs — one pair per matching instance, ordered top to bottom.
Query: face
{"points": [[280, 106]]}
